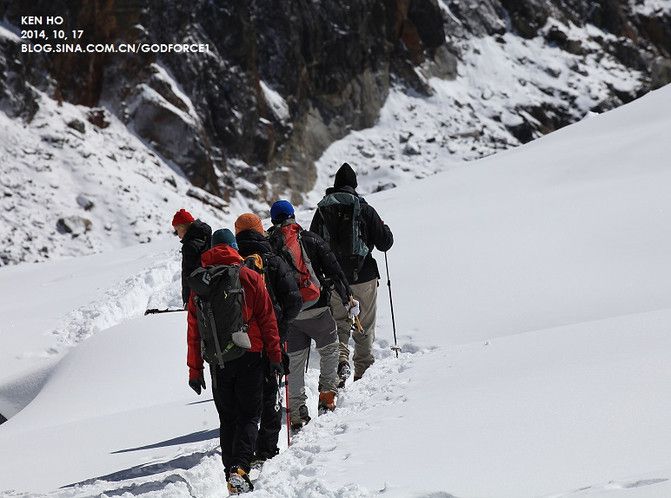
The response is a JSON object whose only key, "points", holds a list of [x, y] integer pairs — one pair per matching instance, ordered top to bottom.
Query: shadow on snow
{"points": [[194, 437]]}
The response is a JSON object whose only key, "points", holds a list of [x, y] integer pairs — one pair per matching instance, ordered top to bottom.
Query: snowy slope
{"points": [[475, 115], [59, 162], [106, 185], [569, 228], [542, 274], [68, 302], [533, 303]]}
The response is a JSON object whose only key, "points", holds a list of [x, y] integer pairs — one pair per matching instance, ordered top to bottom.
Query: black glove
{"points": [[285, 363], [277, 369], [197, 384]]}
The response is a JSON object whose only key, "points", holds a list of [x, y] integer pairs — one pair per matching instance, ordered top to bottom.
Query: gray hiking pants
{"points": [[366, 294], [317, 324]]}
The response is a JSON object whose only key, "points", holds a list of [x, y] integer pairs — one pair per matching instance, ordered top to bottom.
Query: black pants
{"points": [[237, 391], [271, 415]]}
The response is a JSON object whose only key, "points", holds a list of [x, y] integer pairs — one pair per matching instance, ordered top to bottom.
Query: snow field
{"points": [[533, 301]]}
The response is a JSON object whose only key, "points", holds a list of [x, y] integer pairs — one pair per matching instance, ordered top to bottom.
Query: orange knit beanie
{"points": [[248, 221]]}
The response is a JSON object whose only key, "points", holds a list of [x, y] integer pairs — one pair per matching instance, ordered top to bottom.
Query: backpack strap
{"points": [[323, 229], [323, 284]]}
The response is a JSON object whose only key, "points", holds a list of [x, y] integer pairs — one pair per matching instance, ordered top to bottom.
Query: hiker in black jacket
{"points": [[353, 229], [195, 236], [287, 302], [315, 321]]}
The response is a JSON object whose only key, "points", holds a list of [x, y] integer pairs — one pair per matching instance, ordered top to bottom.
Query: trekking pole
{"points": [[154, 311], [395, 347], [286, 403], [286, 407]]}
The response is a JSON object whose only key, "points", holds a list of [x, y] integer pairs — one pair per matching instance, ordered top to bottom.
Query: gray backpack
{"points": [[343, 229], [219, 300]]}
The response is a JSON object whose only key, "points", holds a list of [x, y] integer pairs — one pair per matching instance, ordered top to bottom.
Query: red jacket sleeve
{"points": [[264, 314], [194, 358]]}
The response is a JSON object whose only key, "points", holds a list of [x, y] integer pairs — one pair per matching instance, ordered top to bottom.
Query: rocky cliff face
{"points": [[284, 80], [281, 82]]}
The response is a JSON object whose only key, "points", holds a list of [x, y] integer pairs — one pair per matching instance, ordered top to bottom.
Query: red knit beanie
{"points": [[182, 217], [248, 221]]}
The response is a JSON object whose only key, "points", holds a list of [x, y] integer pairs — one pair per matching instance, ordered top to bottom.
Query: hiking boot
{"points": [[344, 372], [327, 402], [303, 419], [266, 454], [262, 455], [239, 482]]}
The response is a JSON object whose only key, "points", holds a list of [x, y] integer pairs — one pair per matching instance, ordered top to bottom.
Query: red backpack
{"points": [[290, 246]]}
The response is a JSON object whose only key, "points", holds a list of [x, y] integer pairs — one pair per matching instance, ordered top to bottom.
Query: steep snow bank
{"points": [[569, 228], [57, 305]]}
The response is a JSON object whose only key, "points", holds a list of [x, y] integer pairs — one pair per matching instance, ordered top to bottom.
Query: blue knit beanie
{"points": [[280, 211], [224, 236]]}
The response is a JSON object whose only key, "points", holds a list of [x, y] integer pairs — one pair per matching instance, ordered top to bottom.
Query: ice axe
{"points": [[356, 323]]}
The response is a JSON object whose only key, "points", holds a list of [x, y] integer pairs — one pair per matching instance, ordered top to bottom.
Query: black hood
{"points": [[345, 177], [198, 230], [251, 242]]}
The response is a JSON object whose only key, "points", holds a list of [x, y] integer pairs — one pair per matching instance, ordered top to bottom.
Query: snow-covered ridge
{"points": [[482, 112], [70, 187], [111, 190], [155, 287], [75, 299]]}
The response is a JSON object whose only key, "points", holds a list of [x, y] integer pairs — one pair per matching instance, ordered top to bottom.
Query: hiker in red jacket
{"points": [[237, 388]]}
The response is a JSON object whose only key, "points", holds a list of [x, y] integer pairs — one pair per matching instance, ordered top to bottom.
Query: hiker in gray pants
{"points": [[314, 322], [317, 324]]}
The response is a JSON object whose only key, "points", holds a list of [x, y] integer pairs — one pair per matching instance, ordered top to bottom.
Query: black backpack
{"points": [[343, 230], [287, 242], [219, 300]]}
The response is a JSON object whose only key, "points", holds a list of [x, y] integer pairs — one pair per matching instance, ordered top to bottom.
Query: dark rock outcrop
{"points": [[527, 16], [331, 62], [283, 80], [73, 225]]}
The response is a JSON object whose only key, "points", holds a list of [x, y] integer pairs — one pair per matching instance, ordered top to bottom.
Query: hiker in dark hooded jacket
{"points": [[195, 237], [363, 279], [281, 283], [314, 322], [238, 388]]}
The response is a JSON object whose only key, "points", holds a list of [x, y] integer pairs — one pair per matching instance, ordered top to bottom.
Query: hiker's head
{"points": [[345, 177], [281, 211], [249, 221], [181, 222], [224, 236]]}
